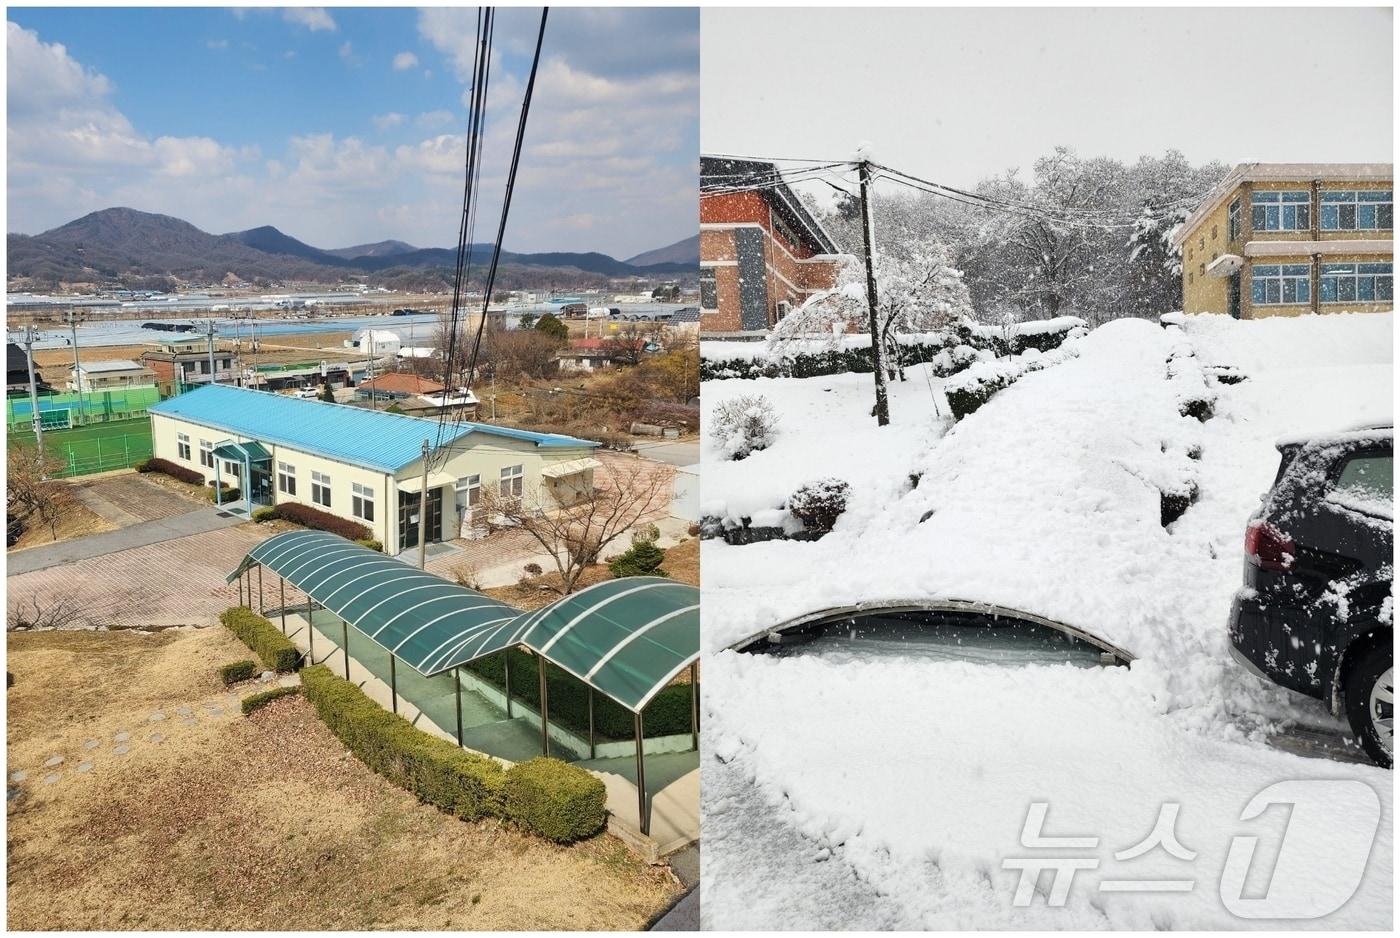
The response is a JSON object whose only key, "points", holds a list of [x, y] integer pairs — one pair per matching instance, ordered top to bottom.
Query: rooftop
{"points": [[1282, 172], [115, 364], [397, 382], [370, 438]]}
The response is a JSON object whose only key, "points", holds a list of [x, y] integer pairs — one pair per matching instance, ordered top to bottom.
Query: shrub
{"points": [[744, 424], [174, 470], [223, 493], [818, 504], [270, 513], [309, 517], [372, 544], [643, 558], [534, 569], [274, 648], [237, 671], [258, 701], [461, 783], [558, 801]]}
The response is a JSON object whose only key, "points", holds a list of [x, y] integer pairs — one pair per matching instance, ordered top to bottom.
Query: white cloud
{"points": [[315, 19], [217, 44], [347, 54], [404, 61], [431, 119], [385, 121]]}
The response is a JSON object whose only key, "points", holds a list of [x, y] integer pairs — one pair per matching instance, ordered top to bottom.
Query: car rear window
{"points": [[1365, 484]]}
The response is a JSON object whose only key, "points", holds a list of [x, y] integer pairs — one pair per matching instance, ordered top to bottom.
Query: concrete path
{"points": [[673, 453], [199, 521], [683, 916]]}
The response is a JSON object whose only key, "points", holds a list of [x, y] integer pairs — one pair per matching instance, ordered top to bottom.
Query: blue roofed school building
{"points": [[366, 465]]}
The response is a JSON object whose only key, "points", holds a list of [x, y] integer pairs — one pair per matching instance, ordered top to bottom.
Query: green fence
{"points": [[71, 409], [98, 447]]}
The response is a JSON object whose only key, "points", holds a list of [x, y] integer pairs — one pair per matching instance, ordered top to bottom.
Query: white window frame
{"points": [[1259, 198], [1328, 198], [1276, 273], [1381, 282], [182, 446], [206, 453], [287, 479], [512, 484], [472, 486], [320, 487], [362, 501]]}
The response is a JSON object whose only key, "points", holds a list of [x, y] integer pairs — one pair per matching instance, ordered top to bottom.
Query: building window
{"points": [[1351, 210], [1282, 211], [1234, 219], [1214, 232], [1190, 277], [1355, 283], [1280, 284], [709, 296], [182, 445], [206, 454], [287, 478], [512, 481], [471, 487], [321, 489], [362, 501]]}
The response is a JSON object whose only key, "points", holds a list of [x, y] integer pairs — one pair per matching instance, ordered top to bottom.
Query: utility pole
{"points": [[211, 352], [77, 373], [34, 391], [882, 401], [423, 514]]}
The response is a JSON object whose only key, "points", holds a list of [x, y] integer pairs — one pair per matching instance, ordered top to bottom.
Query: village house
{"points": [[1282, 239], [762, 254], [114, 375], [366, 465]]}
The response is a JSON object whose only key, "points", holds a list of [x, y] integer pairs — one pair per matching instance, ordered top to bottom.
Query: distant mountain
{"points": [[127, 245], [377, 249], [686, 251]]}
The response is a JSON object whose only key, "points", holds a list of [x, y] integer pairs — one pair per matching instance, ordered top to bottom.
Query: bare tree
{"points": [[629, 344], [30, 485], [576, 534]]}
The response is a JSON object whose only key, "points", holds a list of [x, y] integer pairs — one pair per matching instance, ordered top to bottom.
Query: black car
{"points": [[1315, 611]]}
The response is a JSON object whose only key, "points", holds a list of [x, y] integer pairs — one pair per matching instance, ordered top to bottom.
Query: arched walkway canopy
{"points": [[625, 638]]}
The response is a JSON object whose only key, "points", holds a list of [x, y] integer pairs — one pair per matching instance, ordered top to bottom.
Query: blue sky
{"points": [[345, 125]]}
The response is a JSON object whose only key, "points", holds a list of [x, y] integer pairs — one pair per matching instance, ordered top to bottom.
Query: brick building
{"points": [[1282, 239], [761, 252]]}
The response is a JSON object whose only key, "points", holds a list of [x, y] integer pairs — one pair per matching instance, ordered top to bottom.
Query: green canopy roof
{"points": [[252, 451], [626, 638]]}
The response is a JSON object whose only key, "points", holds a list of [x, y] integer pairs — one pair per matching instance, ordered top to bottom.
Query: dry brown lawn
{"points": [[75, 520], [682, 564], [254, 823]]}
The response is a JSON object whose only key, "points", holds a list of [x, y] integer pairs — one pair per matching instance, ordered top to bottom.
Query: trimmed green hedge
{"points": [[174, 470], [230, 494], [319, 520], [274, 648], [237, 671], [262, 699], [668, 714], [553, 799], [556, 800]]}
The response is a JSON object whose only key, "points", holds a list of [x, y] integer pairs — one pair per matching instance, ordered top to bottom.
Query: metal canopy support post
{"points": [[218, 483], [240, 592], [282, 601], [261, 607], [310, 632], [345, 646], [505, 656], [457, 679], [394, 681], [695, 705], [544, 708], [592, 748], [644, 822]]}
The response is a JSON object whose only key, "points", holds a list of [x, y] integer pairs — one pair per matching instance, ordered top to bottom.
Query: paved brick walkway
{"points": [[131, 498], [179, 581]]}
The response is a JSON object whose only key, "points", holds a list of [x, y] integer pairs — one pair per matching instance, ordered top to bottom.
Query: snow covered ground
{"points": [[917, 775]]}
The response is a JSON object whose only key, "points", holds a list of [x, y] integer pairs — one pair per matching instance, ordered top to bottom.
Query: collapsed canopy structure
{"points": [[625, 638]]}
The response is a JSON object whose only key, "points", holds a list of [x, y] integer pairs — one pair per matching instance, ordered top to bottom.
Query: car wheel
{"points": [[1370, 702]]}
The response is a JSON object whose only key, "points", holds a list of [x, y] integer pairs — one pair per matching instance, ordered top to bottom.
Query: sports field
{"points": [[97, 447]]}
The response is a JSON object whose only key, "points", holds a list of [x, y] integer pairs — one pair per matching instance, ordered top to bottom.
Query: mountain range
{"points": [[127, 245]]}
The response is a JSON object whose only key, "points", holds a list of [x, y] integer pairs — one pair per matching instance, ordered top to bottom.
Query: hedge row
{"points": [[965, 336], [971, 389], [174, 470], [309, 517], [274, 648], [237, 671], [262, 699], [668, 714], [558, 801]]}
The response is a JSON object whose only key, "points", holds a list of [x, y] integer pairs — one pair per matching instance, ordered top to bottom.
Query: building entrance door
{"points": [[1235, 295], [408, 514]]}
